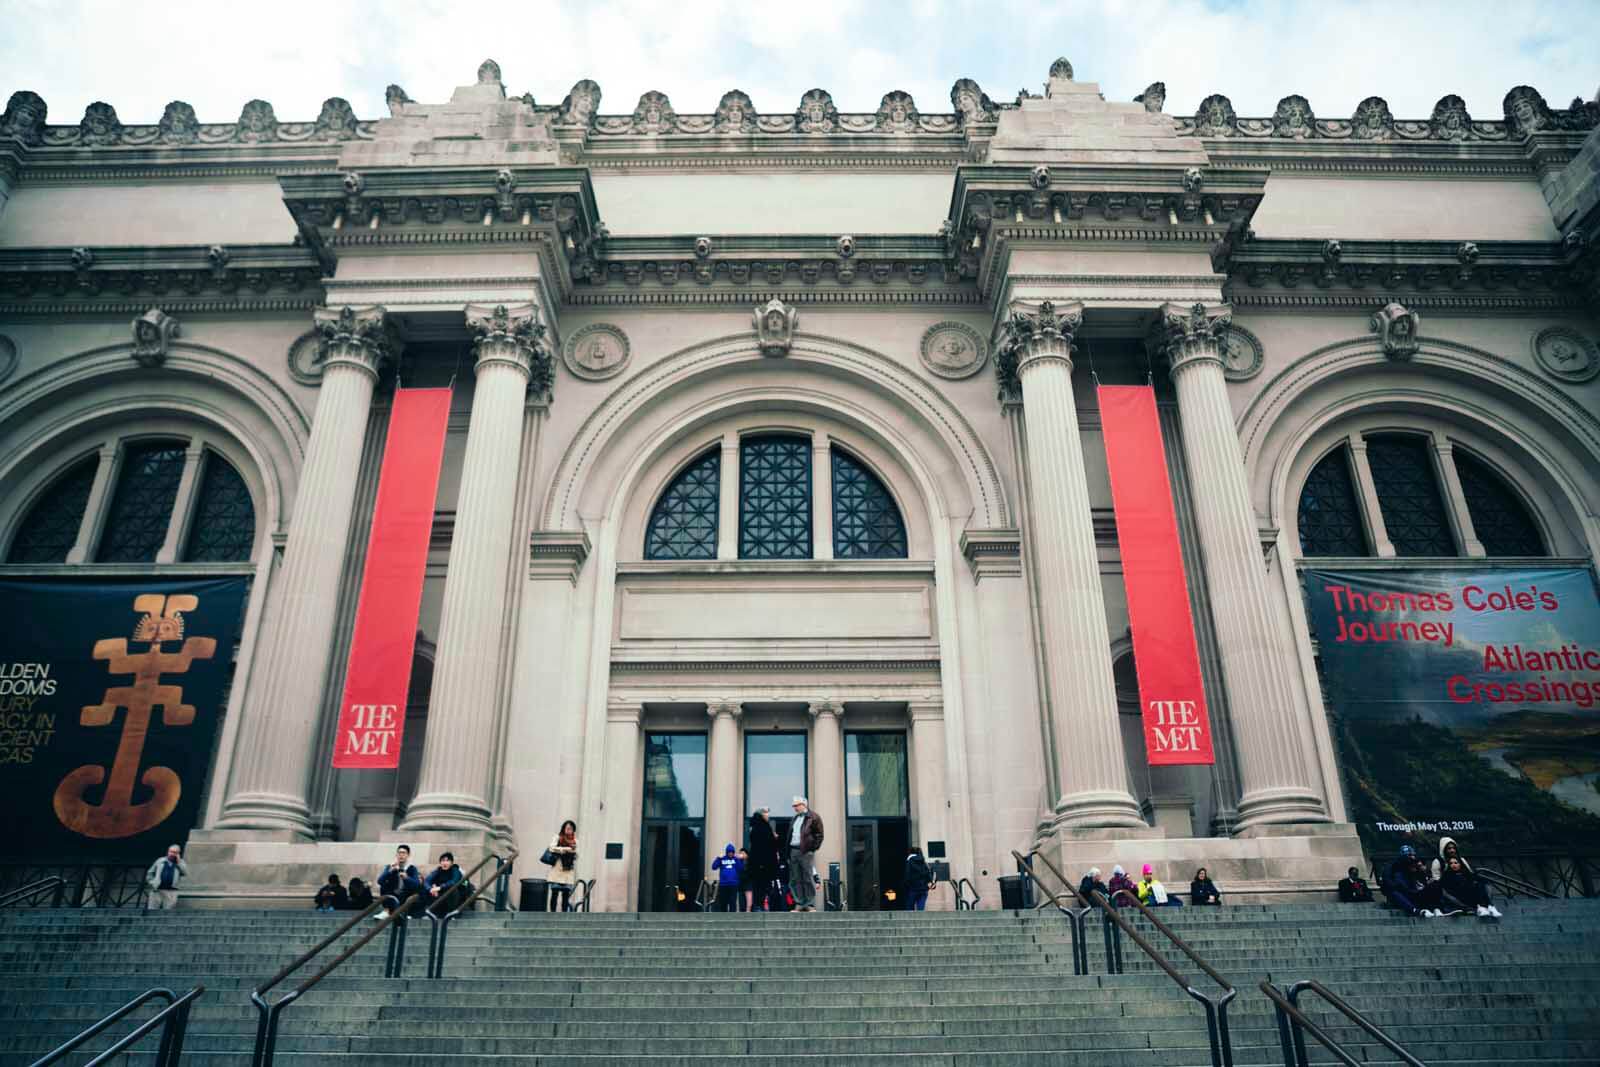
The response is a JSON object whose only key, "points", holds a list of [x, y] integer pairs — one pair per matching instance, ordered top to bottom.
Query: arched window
{"points": [[1408, 493], [775, 498], [141, 507], [1329, 515], [1499, 519], [866, 520], [683, 524], [51, 527], [223, 529]]}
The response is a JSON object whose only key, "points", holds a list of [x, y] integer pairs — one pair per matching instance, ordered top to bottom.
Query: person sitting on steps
{"points": [[398, 882], [441, 883], [1092, 883], [1408, 886], [1460, 886], [1353, 889], [1124, 891], [1203, 891], [1152, 894], [332, 895], [360, 895]]}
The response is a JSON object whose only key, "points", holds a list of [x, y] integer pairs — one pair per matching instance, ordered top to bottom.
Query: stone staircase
{"points": [[946, 989]]}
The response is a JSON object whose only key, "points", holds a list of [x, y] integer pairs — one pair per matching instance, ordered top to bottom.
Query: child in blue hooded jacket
{"points": [[728, 867]]}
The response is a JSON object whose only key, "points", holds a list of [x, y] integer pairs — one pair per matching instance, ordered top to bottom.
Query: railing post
{"points": [[397, 947]]}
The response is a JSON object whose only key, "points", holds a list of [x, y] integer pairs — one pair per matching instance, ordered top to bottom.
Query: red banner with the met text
{"points": [[372, 713], [1176, 727]]}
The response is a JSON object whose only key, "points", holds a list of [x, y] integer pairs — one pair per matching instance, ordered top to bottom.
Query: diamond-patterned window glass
{"points": [[1408, 495], [775, 498], [141, 507], [1330, 517], [1499, 518], [866, 522], [683, 524], [50, 529], [223, 529]]}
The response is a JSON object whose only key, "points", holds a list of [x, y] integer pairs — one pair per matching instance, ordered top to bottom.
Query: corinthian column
{"points": [[1036, 356], [1256, 666], [272, 765], [453, 784]]}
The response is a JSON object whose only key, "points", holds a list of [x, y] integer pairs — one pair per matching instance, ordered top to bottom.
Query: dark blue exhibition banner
{"points": [[110, 695], [1466, 700]]}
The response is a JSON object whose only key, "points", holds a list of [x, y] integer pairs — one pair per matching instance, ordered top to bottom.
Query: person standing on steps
{"points": [[805, 837], [727, 867], [763, 869], [564, 871], [162, 880], [744, 880], [918, 881]]}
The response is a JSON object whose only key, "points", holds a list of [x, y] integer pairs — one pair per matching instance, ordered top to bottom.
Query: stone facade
{"points": [[616, 296]]}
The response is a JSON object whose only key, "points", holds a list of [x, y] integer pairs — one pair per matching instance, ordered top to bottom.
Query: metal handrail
{"points": [[1504, 882], [33, 889], [704, 896], [583, 900], [962, 903], [1075, 917], [1115, 926], [440, 929], [272, 1012], [173, 1020], [1293, 1024]]}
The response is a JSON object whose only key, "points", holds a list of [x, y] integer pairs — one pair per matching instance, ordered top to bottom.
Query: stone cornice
{"points": [[683, 666]]}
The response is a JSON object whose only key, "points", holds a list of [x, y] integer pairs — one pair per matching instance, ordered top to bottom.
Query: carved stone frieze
{"points": [[775, 324], [1397, 330], [152, 334], [953, 350], [596, 352], [1566, 354]]}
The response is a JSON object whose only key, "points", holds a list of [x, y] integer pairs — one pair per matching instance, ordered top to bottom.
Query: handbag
{"points": [[547, 858]]}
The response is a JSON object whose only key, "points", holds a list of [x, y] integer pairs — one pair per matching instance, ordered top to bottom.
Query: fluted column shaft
{"points": [[1072, 613], [272, 767], [1274, 774], [827, 780], [453, 785], [722, 800]]}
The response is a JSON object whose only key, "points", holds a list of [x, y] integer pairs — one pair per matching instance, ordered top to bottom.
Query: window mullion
{"points": [[1367, 494], [821, 496], [728, 498], [183, 504], [94, 515], [1460, 516]]}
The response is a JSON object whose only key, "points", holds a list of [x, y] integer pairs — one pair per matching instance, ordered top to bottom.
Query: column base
{"points": [[1279, 806], [1094, 809], [273, 812], [448, 812], [228, 869]]}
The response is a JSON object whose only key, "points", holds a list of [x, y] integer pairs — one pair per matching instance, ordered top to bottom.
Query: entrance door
{"points": [[774, 774], [878, 828], [672, 843]]}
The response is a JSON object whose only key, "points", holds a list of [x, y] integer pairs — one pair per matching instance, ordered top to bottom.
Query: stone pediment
{"points": [[1074, 125]]}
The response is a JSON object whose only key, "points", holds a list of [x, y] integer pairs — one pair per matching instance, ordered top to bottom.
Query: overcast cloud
{"points": [[216, 56]]}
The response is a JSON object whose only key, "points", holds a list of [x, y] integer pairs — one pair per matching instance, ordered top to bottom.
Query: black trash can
{"points": [[535, 895], [1012, 896]]}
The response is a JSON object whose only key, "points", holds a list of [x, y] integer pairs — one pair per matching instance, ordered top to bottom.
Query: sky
{"points": [[216, 55]]}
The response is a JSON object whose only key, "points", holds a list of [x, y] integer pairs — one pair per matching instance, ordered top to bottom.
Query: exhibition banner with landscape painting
{"points": [[1465, 702]]}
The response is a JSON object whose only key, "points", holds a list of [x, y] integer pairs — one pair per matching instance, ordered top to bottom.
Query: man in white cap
{"points": [[805, 837]]}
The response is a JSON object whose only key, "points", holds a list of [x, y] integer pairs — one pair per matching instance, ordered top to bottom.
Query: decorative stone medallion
{"points": [[952, 350], [596, 352], [1242, 354], [1566, 354], [8, 357], [304, 365]]}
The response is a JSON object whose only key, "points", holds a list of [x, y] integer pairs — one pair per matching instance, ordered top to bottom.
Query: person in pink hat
{"points": [[1153, 894]]}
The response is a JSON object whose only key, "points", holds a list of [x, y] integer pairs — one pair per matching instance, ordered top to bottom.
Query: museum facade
{"points": [[774, 463]]}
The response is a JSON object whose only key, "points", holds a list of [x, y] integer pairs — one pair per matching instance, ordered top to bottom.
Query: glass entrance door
{"points": [[877, 804], [672, 844]]}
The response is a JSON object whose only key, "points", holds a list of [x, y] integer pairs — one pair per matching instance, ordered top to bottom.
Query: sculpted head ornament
{"points": [[1060, 70], [489, 73], [395, 96], [1154, 98], [581, 104], [971, 104], [1526, 111], [735, 113], [816, 113], [897, 113], [654, 114], [24, 117], [1216, 117], [1293, 118], [337, 120], [1372, 120], [1450, 120], [257, 122], [100, 124], [178, 124], [1039, 177], [1192, 179], [775, 325], [1396, 328], [152, 332]]}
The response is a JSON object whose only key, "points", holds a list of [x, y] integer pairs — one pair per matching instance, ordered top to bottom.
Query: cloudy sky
{"points": [[137, 56]]}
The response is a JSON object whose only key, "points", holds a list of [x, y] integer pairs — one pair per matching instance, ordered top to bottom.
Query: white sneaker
{"points": [[1483, 912], [1494, 912], [1432, 913], [380, 916]]}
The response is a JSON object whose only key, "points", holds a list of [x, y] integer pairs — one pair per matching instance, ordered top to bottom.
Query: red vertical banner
{"points": [[372, 713], [1176, 727]]}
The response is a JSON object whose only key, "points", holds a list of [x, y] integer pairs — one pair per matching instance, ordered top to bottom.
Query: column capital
{"points": [[512, 334], [1192, 334], [1031, 335], [360, 337], [726, 706], [821, 706], [925, 710], [625, 711]]}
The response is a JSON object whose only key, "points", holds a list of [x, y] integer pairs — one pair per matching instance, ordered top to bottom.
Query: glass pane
{"points": [[1408, 495], [775, 498], [141, 507], [1330, 518], [866, 521], [683, 524], [1502, 524], [224, 526], [51, 528], [774, 772], [875, 775], [675, 776]]}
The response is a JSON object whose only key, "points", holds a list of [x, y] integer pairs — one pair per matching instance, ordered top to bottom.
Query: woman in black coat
{"points": [[763, 866]]}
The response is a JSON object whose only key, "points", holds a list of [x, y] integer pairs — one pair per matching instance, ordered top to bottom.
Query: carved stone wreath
{"points": [[952, 350], [596, 352], [1242, 354], [1566, 354], [8, 357], [305, 363]]}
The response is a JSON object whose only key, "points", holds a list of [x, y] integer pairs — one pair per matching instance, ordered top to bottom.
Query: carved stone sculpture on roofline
{"points": [[775, 325], [1397, 330]]}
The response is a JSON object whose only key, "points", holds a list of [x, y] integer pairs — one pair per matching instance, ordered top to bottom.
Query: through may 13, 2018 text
{"points": [[1441, 826]]}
